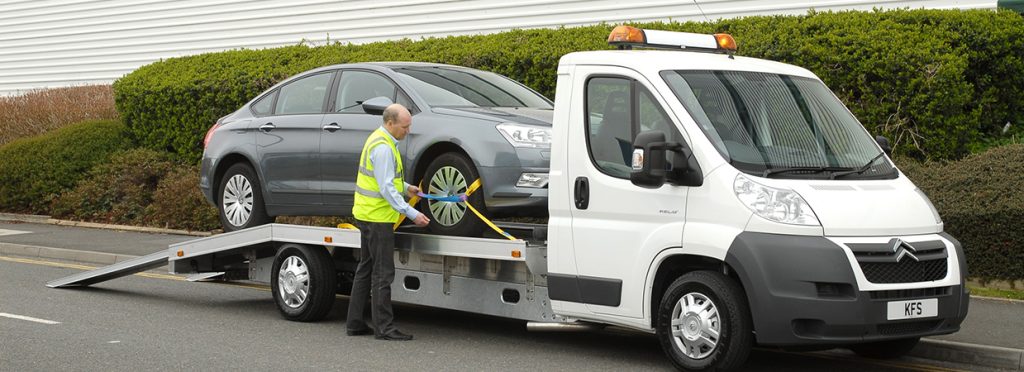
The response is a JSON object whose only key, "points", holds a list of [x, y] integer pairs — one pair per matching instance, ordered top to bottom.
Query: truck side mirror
{"points": [[376, 105], [883, 142], [649, 165]]}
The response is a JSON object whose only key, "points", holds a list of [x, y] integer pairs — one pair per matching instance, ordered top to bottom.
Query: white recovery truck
{"points": [[716, 201]]}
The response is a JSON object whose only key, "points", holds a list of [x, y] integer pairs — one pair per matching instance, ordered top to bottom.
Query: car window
{"points": [[358, 86], [446, 86], [304, 96], [265, 105], [617, 110]]}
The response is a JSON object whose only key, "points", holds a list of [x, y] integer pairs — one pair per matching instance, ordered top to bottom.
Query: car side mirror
{"points": [[376, 105], [883, 142], [649, 165]]}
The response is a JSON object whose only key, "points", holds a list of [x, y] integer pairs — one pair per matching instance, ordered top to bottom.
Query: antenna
{"points": [[701, 11]]}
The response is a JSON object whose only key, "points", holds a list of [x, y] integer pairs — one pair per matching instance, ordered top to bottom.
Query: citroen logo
{"points": [[902, 249]]}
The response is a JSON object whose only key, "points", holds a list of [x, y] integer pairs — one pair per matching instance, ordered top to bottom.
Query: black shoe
{"points": [[358, 332], [395, 336]]}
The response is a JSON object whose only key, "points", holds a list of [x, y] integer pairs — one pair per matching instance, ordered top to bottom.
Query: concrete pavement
{"points": [[990, 336]]}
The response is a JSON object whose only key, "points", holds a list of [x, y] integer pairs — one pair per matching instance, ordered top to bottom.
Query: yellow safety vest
{"points": [[369, 205]]}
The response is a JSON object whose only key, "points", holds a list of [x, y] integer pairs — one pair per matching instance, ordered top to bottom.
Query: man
{"points": [[377, 207]]}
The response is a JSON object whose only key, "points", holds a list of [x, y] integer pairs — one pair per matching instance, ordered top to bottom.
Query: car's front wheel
{"points": [[452, 174], [240, 200]]}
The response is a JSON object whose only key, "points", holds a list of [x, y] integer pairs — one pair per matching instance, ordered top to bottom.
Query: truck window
{"points": [[617, 110], [763, 121]]}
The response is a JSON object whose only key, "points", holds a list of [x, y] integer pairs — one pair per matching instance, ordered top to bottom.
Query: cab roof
{"points": [[663, 60]]}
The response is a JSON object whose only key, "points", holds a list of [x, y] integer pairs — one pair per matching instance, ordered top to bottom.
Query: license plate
{"points": [[913, 309]]}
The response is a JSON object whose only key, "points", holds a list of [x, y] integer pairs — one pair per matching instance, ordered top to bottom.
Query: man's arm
{"points": [[383, 172]]}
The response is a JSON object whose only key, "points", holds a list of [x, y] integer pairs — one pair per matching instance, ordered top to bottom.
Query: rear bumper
{"points": [[802, 292]]}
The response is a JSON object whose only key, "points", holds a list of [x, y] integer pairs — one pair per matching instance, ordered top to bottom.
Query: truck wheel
{"points": [[452, 174], [241, 199], [303, 282], [703, 323], [886, 349]]}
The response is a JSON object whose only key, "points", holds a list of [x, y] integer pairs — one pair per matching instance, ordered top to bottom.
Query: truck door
{"points": [[614, 222]]}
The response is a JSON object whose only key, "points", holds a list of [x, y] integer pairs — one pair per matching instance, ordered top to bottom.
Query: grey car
{"points": [[294, 149]]}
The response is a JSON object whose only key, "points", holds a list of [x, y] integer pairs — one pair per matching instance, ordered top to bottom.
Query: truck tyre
{"points": [[452, 173], [240, 199], [303, 282], [703, 323], [885, 349]]}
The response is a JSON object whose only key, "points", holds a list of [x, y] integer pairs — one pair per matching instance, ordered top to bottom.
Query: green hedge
{"points": [[940, 83], [34, 170], [981, 203]]}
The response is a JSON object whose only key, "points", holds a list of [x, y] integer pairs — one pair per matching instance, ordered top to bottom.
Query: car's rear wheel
{"points": [[452, 174], [240, 199]]}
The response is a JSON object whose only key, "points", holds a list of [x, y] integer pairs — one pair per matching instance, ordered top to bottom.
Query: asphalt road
{"points": [[159, 322]]}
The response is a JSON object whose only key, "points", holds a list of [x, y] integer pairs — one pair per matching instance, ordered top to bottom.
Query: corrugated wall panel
{"points": [[51, 43]]}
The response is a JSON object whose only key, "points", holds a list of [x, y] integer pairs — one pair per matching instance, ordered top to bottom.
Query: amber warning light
{"points": [[627, 37]]}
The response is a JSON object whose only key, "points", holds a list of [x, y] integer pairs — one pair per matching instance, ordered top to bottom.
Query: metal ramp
{"points": [[125, 268]]}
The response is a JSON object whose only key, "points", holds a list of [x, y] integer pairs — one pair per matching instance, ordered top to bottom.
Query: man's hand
{"points": [[412, 191], [422, 220]]}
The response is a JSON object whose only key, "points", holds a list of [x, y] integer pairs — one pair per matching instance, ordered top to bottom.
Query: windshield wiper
{"points": [[860, 170], [771, 171]]}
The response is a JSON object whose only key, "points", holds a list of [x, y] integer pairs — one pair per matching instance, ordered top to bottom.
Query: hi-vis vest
{"points": [[369, 205]]}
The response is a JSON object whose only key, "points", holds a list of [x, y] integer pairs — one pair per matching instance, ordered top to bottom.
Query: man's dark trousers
{"points": [[374, 275]]}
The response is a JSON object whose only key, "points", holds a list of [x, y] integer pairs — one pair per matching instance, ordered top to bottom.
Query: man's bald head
{"points": [[397, 120]]}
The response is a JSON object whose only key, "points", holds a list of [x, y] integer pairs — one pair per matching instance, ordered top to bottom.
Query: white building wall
{"points": [[54, 43]]}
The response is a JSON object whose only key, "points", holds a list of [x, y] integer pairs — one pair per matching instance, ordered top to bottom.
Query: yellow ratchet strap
{"points": [[469, 191]]}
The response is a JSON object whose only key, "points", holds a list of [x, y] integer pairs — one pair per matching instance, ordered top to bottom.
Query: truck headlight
{"points": [[525, 136], [779, 205]]}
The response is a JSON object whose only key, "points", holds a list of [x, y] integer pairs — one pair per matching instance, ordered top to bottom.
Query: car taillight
{"points": [[209, 134]]}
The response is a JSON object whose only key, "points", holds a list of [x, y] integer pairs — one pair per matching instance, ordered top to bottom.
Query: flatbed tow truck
{"points": [[718, 202]]}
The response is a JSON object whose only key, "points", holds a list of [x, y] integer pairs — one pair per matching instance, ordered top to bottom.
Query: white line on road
{"points": [[12, 232], [28, 318]]}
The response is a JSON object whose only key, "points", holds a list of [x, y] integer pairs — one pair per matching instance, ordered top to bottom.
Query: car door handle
{"points": [[332, 127], [265, 128], [581, 193]]}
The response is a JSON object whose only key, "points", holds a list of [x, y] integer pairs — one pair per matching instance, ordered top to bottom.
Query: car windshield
{"points": [[444, 86], [778, 125]]}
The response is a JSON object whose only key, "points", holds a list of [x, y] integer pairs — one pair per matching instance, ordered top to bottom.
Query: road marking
{"points": [[4, 232], [28, 318]]}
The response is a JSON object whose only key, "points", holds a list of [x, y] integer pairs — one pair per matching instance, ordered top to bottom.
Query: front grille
{"points": [[901, 262], [906, 271], [899, 294], [897, 329]]}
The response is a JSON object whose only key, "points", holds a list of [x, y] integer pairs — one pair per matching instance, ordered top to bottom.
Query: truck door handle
{"points": [[332, 127], [266, 128], [581, 193]]}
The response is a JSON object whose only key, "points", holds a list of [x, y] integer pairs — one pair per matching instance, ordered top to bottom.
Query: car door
{"points": [[345, 129], [288, 142], [612, 219]]}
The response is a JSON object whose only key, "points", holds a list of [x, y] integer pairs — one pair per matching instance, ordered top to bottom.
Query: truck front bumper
{"points": [[802, 292]]}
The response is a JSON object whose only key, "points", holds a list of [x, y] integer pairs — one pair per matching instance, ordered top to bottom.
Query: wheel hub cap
{"points": [[447, 181], [238, 200], [293, 281], [696, 325]]}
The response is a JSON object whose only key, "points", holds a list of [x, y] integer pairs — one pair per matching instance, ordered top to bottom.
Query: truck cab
{"points": [[721, 201]]}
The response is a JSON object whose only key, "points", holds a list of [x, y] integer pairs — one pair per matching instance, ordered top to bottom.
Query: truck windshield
{"points": [[460, 87], [779, 126]]}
